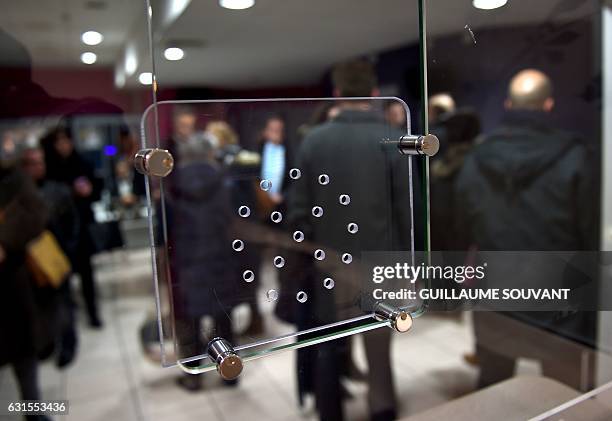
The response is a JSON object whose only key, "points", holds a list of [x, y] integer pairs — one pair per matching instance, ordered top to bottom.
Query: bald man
{"points": [[530, 89], [440, 104], [527, 187]]}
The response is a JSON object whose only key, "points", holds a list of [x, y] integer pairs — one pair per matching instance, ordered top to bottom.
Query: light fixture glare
{"points": [[236, 4], [488, 4], [92, 38], [174, 53], [89, 57], [145, 78]]}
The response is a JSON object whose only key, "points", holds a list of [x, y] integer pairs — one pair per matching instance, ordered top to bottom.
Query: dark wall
{"points": [[477, 73]]}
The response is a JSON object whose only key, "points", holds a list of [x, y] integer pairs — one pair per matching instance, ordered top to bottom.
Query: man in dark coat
{"points": [[345, 157], [527, 187], [22, 218]]}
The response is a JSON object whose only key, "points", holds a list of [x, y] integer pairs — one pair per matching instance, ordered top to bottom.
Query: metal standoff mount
{"points": [[427, 145], [154, 162], [400, 320], [229, 364]]}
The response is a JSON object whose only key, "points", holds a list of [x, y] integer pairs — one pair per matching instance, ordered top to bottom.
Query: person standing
{"points": [[395, 115], [459, 129], [347, 150], [274, 158], [65, 165], [527, 187], [22, 218], [64, 225], [204, 279]]}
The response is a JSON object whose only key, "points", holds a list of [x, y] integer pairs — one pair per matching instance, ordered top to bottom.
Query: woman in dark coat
{"points": [[22, 218], [204, 280]]}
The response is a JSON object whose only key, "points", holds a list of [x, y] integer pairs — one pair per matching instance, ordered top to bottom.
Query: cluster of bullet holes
{"points": [[298, 236]]}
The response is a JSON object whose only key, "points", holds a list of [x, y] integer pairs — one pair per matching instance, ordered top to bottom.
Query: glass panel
{"points": [[519, 98], [272, 204]]}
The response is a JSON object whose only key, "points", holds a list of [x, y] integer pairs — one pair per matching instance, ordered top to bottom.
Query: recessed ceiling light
{"points": [[236, 4], [488, 4], [92, 38], [174, 53], [89, 57], [146, 78]]}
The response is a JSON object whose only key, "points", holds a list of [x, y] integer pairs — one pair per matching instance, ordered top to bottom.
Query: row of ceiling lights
{"points": [[93, 38], [176, 53]]}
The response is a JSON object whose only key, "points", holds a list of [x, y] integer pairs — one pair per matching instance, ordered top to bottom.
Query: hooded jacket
{"points": [[528, 186]]}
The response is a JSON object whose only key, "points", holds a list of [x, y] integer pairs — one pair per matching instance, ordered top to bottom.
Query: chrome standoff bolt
{"points": [[427, 145], [154, 162], [400, 320], [229, 364]]}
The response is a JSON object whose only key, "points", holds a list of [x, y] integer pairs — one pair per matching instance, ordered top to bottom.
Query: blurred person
{"points": [[21, 97], [438, 105], [323, 113], [395, 114], [184, 121], [184, 124], [460, 129], [225, 135], [339, 148], [228, 150], [274, 157], [65, 165], [239, 166], [274, 166], [129, 185], [527, 187], [22, 219], [63, 223], [300, 274], [204, 275]]}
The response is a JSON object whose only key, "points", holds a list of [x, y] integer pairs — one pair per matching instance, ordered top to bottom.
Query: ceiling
{"points": [[51, 29], [274, 43]]}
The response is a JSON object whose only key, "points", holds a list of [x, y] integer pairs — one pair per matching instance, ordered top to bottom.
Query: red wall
{"points": [[98, 83]]}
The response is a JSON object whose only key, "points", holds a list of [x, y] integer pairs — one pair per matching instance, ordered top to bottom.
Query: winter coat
{"points": [[376, 177], [529, 187], [23, 218], [200, 250]]}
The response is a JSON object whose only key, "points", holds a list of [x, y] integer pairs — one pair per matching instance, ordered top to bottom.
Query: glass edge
{"points": [[252, 355]]}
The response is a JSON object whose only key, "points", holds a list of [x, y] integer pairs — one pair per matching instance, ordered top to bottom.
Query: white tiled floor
{"points": [[111, 380]]}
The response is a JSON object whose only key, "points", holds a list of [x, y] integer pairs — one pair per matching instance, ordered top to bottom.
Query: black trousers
{"points": [[82, 266], [26, 372]]}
